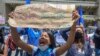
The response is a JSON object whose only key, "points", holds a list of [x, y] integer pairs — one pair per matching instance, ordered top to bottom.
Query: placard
{"points": [[42, 15]]}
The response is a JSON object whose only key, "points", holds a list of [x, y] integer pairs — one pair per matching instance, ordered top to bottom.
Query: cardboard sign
{"points": [[42, 15]]}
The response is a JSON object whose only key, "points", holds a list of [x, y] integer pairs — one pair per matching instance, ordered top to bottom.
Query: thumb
{"points": [[12, 22]]}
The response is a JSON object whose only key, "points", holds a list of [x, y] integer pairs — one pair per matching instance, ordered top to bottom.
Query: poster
{"points": [[42, 15]]}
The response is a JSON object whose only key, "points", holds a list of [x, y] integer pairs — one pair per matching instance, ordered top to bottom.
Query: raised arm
{"points": [[70, 40], [19, 42]]}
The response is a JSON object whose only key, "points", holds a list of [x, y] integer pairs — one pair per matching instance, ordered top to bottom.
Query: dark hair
{"points": [[97, 31], [1, 36], [79, 37], [52, 39]]}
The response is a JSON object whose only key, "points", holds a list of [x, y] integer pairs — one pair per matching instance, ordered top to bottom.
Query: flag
{"points": [[28, 1], [81, 20], [34, 35]]}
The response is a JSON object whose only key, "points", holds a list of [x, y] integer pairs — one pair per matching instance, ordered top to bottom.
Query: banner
{"points": [[42, 15]]}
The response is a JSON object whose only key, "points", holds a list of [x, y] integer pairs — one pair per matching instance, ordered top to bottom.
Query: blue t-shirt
{"points": [[48, 52]]}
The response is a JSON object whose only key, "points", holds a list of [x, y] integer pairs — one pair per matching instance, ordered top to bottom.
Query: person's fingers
{"points": [[75, 15], [12, 22]]}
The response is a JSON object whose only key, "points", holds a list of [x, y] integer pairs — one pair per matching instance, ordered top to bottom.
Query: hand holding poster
{"points": [[42, 15]]}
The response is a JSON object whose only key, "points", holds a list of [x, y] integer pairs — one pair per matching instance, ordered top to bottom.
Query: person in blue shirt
{"points": [[46, 44]]}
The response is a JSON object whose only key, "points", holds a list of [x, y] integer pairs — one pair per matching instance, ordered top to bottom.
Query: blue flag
{"points": [[28, 1], [81, 20], [34, 35]]}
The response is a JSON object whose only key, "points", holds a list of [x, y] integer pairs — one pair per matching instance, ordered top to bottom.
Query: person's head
{"points": [[1, 31], [97, 31], [79, 36], [47, 39]]}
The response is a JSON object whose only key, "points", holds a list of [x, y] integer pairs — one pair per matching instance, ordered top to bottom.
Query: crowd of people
{"points": [[72, 41]]}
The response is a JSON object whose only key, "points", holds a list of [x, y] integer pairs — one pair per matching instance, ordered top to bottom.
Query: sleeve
{"points": [[34, 49], [54, 52]]}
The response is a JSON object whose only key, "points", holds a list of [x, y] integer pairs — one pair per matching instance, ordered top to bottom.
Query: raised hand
{"points": [[75, 15]]}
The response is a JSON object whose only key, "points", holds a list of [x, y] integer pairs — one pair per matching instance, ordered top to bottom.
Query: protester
{"points": [[1, 41], [97, 41], [46, 42], [3, 45], [11, 45], [79, 48], [18, 49]]}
